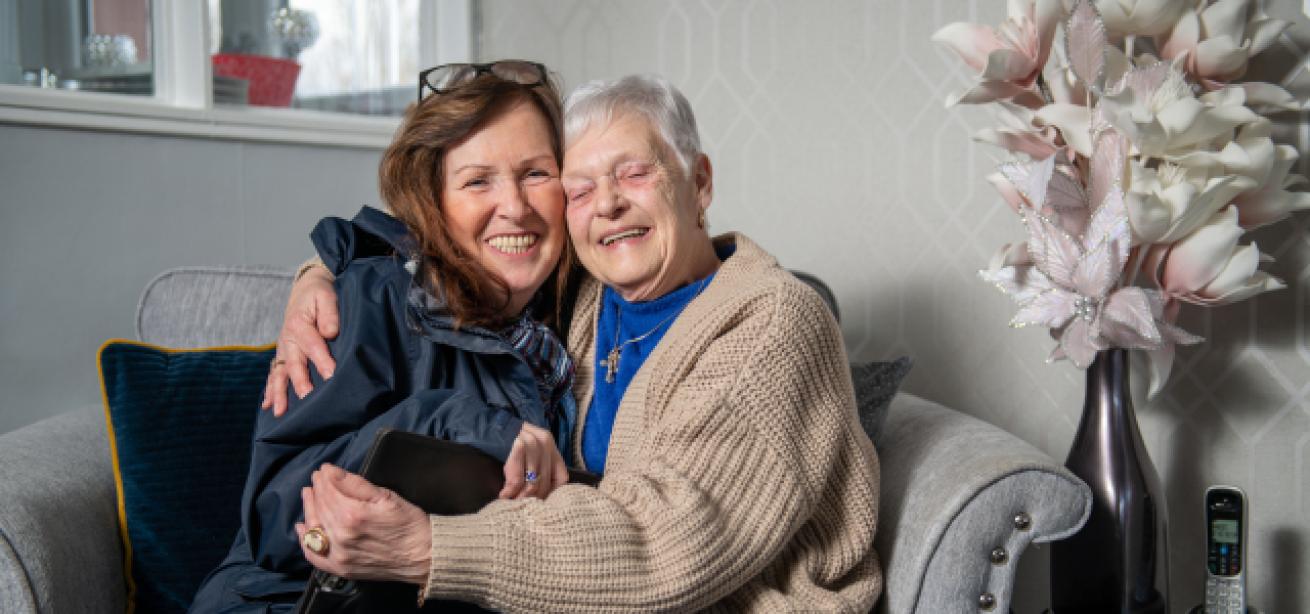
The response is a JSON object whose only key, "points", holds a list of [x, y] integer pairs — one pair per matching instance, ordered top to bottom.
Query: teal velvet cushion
{"points": [[876, 384], [180, 424]]}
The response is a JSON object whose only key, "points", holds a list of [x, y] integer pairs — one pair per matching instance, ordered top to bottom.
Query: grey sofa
{"points": [[961, 499]]}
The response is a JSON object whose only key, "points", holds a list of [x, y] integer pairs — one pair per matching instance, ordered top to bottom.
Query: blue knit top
{"points": [[633, 320]]}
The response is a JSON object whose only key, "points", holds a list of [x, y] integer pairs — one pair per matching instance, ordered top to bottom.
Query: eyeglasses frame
{"points": [[478, 69]]}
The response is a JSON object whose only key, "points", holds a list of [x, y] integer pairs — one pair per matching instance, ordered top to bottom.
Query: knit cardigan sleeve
{"points": [[721, 467]]}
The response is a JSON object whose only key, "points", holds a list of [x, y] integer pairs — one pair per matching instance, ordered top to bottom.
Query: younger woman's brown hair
{"points": [[410, 179]]}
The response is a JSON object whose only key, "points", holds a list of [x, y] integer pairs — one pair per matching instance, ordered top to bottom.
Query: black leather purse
{"points": [[440, 477]]}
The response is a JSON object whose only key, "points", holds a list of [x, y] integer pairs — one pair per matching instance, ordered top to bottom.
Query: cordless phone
{"points": [[1226, 556]]}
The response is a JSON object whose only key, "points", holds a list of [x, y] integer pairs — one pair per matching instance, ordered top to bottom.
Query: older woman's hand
{"points": [[311, 317], [534, 454], [372, 533]]}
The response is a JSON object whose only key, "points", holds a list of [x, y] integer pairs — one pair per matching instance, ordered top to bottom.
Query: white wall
{"points": [[831, 148], [87, 218]]}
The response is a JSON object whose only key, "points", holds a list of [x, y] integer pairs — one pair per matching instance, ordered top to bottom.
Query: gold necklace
{"points": [[611, 362]]}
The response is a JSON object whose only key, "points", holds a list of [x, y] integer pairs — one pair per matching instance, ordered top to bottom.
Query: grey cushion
{"points": [[193, 307], [875, 385]]}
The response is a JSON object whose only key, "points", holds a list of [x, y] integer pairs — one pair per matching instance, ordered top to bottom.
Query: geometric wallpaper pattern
{"points": [[831, 147]]}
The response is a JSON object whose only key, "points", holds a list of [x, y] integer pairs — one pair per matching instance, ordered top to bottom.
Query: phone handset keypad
{"points": [[1226, 593]]}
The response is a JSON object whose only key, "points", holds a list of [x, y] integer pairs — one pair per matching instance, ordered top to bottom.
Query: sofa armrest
{"points": [[951, 488], [59, 544]]}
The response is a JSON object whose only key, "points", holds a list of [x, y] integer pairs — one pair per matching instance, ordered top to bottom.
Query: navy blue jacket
{"points": [[400, 364]]}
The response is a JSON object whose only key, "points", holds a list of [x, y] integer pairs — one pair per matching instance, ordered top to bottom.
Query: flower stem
{"points": [[1044, 89], [1135, 257]]}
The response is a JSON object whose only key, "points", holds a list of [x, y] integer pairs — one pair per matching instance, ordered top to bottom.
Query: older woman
{"points": [[441, 335], [715, 399]]}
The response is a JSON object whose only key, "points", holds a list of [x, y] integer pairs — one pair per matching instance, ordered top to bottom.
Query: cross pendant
{"points": [[611, 364]]}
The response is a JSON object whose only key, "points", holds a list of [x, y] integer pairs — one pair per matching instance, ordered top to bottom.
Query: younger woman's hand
{"points": [[534, 455]]}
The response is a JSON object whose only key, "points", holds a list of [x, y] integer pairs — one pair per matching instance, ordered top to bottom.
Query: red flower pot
{"points": [[272, 80]]}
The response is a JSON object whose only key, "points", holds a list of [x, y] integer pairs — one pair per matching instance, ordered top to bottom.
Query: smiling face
{"points": [[502, 201], [633, 212]]}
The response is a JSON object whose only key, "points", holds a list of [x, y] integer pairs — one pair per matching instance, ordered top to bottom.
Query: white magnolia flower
{"points": [[1140, 16], [1218, 38], [1008, 58], [1154, 105], [1020, 133], [1254, 155], [1169, 203], [1208, 267]]}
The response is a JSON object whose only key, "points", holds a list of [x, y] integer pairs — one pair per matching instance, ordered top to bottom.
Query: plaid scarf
{"points": [[550, 363]]}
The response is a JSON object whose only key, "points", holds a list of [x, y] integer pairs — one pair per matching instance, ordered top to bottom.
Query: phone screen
{"points": [[1224, 531]]}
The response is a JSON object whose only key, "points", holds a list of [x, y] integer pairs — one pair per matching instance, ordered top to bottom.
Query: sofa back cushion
{"points": [[194, 307], [179, 425]]}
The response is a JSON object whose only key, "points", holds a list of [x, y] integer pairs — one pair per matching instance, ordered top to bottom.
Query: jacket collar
{"points": [[387, 228], [425, 307], [428, 313]]}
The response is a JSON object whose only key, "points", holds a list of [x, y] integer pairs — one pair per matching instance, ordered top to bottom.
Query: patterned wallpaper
{"points": [[831, 148]]}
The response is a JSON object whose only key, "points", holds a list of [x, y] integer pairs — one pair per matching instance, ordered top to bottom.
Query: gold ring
{"points": [[277, 362], [316, 541]]}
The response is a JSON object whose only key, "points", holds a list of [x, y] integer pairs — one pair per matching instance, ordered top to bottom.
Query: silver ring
{"points": [[530, 477]]}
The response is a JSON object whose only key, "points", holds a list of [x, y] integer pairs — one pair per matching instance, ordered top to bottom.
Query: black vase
{"points": [[1119, 561]]}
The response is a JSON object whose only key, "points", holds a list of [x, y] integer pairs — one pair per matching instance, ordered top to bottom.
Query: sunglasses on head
{"points": [[444, 78]]}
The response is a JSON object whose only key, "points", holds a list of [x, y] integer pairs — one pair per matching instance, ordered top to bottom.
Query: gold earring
{"points": [[700, 222]]}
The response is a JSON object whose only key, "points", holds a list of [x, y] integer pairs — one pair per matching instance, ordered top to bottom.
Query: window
{"points": [[93, 45], [331, 55], [366, 59], [340, 70]]}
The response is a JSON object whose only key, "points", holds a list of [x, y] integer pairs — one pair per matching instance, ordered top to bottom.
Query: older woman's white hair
{"points": [[648, 95]]}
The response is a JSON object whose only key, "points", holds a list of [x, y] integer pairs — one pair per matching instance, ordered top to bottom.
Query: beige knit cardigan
{"points": [[738, 478]]}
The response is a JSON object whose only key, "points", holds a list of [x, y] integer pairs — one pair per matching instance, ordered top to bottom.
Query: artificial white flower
{"points": [[1140, 16], [1218, 39], [1008, 58], [1155, 107], [1020, 133], [1254, 155], [1131, 170], [1169, 203], [1208, 267]]}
